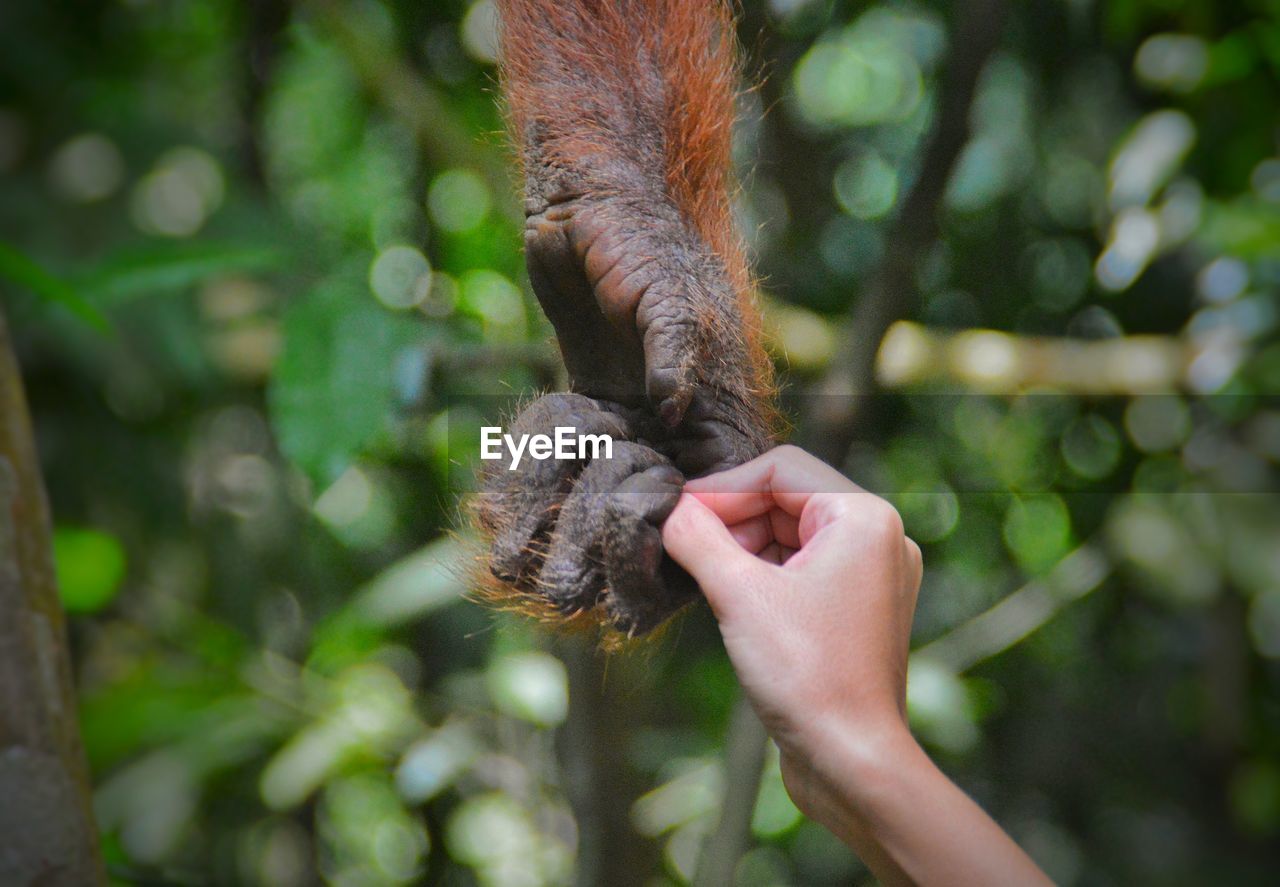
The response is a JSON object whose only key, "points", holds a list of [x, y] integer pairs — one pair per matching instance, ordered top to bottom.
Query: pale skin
{"points": [[814, 582]]}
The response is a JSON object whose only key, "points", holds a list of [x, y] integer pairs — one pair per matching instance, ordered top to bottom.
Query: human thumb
{"points": [[700, 542]]}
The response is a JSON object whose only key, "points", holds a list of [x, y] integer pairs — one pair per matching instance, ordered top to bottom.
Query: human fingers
{"points": [[785, 476], [785, 528], [839, 531], [755, 533], [700, 542], [773, 553]]}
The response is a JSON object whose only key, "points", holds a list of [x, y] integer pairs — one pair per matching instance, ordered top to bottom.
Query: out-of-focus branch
{"points": [[265, 20], [406, 94], [987, 361], [996, 362], [1002, 363], [831, 423], [1020, 613], [744, 756], [599, 780], [47, 832]]}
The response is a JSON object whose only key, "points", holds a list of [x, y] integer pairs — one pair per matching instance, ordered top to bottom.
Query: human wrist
{"points": [[874, 763], [842, 768]]}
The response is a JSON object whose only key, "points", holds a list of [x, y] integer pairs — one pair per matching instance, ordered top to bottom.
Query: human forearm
{"points": [[908, 822]]}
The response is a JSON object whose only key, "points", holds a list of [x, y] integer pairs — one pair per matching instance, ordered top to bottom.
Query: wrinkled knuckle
{"points": [[786, 453], [835, 508], [884, 520], [507, 563]]}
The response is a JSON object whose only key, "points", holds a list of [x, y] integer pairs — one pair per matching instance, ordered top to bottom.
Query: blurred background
{"points": [[1020, 268]]}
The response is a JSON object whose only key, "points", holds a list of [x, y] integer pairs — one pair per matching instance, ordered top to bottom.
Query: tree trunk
{"points": [[47, 834]]}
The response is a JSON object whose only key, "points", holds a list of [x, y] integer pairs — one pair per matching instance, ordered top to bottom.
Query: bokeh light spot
{"points": [[480, 31], [1176, 62], [87, 168], [866, 186], [179, 194], [458, 200], [400, 276], [1223, 279], [495, 299], [1157, 422], [1091, 447], [1037, 530], [90, 566], [532, 686]]}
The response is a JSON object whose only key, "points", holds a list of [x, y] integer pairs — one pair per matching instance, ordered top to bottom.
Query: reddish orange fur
{"points": [[691, 42], [618, 44], [555, 52], [485, 589]]}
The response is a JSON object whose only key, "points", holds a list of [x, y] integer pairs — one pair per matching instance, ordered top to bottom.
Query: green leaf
{"points": [[1244, 227], [22, 270], [139, 272], [332, 388], [1037, 531], [90, 565], [414, 586], [531, 686], [153, 704], [1255, 796], [775, 813]]}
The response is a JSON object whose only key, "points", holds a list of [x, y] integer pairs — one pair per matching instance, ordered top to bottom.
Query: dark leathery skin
{"points": [[648, 325]]}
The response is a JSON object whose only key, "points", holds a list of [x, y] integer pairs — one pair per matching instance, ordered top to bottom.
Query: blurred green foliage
{"points": [[262, 262], [90, 565]]}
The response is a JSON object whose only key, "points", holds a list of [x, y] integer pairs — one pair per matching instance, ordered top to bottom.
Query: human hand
{"points": [[814, 584]]}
